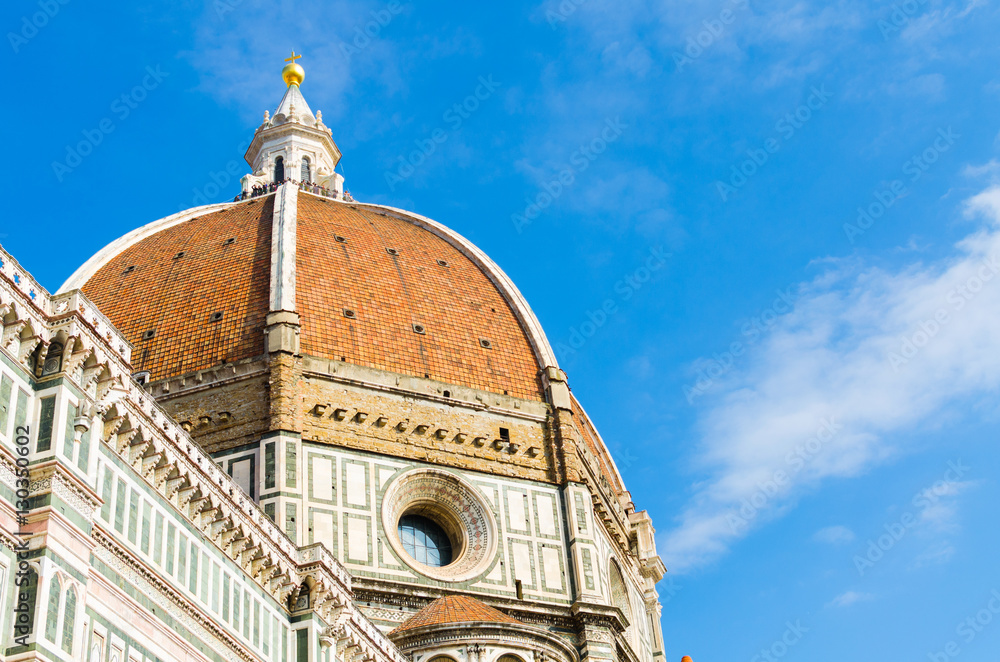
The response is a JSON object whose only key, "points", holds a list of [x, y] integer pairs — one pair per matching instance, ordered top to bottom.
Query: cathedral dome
{"points": [[295, 265], [373, 286], [427, 484]]}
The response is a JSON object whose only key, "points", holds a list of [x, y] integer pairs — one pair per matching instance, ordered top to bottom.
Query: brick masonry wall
{"points": [[284, 398], [237, 412], [338, 423]]}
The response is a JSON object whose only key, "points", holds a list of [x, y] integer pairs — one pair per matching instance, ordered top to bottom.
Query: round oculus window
{"points": [[439, 525], [425, 541]]}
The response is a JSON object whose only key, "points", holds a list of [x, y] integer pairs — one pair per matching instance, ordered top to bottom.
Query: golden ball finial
{"points": [[293, 73]]}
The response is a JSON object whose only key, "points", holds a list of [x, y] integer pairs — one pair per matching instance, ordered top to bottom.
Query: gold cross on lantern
{"points": [[293, 58]]}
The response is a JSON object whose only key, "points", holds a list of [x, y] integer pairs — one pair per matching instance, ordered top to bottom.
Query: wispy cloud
{"points": [[938, 22], [345, 43], [990, 169], [873, 351], [939, 505], [834, 535], [938, 553], [849, 598]]}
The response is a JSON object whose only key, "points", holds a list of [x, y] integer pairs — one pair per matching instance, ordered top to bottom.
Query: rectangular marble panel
{"points": [[322, 478]]}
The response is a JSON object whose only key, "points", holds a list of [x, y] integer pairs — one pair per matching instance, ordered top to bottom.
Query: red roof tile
{"points": [[455, 303]]}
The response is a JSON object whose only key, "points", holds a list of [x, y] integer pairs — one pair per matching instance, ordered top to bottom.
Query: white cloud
{"points": [[938, 22], [802, 23], [240, 55], [636, 61], [931, 86], [990, 169], [866, 355], [938, 505], [834, 535], [938, 553], [849, 598]]}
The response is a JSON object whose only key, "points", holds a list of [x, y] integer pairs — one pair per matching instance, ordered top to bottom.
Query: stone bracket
{"points": [[282, 332]]}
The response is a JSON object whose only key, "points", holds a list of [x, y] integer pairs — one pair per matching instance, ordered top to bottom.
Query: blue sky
{"points": [[804, 395]]}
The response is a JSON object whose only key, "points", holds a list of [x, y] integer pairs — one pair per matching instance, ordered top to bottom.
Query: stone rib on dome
{"points": [[455, 609]]}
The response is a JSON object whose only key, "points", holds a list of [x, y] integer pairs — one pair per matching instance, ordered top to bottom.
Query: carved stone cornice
{"points": [[208, 378], [424, 389], [165, 450], [53, 477], [615, 521], [383, 593], [589, 613], [624, 649]]}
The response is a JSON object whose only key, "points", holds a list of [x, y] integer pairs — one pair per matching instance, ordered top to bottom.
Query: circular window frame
{"points": [[454, 505]]}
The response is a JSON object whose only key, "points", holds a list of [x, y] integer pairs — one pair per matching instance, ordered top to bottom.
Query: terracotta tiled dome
{"points": [[374, 287], [162, 290], [455, 609]]}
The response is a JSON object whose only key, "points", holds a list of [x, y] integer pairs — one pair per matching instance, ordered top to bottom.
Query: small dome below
{"points": [[455, 609]]}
